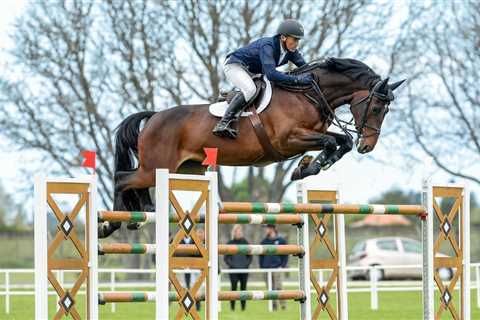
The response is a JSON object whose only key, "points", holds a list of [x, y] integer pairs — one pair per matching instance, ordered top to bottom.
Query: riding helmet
{"points": [[291, 27]]}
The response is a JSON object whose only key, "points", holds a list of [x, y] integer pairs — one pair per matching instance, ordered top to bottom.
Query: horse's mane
{"points": [[354, 69]]}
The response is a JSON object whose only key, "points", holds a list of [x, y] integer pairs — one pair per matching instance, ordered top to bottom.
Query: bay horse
{"points": [[295, 122]]}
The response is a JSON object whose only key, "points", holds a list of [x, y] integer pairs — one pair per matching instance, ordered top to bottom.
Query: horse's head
{"points": [[369, 108]]}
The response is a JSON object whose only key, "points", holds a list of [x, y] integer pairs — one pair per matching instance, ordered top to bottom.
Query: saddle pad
{"points": [[218, 109]]}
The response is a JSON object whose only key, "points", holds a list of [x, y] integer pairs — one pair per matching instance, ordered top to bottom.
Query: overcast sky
{"points": [[360, 180]]}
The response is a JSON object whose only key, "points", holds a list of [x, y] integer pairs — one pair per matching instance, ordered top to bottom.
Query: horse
{"points": [[295, 122]]}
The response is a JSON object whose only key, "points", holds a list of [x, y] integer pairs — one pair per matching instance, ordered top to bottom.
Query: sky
{"points": [[361, 178]]}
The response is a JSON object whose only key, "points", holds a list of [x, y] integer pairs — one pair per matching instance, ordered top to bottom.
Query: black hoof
{"points": [[302, 165], [134, 225], [105, 229]]}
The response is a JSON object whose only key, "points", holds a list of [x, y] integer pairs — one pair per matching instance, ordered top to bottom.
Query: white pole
{"points": [[162, 226], [212, 243], [41, 244], [93, 248], [427, 251], [466, 251], [304, 263], [342, 268], [373, 285], [112, 287], [269, 288], [7, 292]]}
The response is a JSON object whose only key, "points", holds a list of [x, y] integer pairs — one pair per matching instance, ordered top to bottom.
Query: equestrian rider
{"points": [[261, 56]]}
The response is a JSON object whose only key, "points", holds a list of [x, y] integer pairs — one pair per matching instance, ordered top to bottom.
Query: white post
{"points": [[162, 226], [465, 229], [41, 244], [212, 244], [93, 248], [427, 251], [304, 264], [342, 267], [112, 287], [373, 287], [269, 288], [7, 292]]}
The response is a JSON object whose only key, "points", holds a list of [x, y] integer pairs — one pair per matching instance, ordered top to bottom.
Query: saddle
{"points": [[260, 84]]}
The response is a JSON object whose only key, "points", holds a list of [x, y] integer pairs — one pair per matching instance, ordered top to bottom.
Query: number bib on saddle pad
{"points": [[218, 109]]}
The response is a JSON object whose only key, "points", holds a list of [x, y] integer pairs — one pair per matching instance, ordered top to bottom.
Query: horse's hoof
{"points": [[303, 164], [296, 174], [134, 225], [105, 229]]}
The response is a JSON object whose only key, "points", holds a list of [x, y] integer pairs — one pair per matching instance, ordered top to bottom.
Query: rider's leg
{"points": [[240, 78]]}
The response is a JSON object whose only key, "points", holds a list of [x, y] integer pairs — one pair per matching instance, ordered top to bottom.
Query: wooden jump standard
{"points": [[205, 254]]}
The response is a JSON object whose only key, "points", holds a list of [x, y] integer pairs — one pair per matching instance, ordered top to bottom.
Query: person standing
{"points": [[238, 261], [274, 262]]}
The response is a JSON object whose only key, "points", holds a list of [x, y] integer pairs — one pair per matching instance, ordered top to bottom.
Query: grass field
{"points": [[392, 305]]}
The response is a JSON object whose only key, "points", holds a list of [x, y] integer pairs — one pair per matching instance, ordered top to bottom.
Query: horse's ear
{"points": [[395, 85], [383, 86]]}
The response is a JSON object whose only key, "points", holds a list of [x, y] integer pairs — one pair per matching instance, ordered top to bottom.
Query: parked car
{"points": [[389, 252]]}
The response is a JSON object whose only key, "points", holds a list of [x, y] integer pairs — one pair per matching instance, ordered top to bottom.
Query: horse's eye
{"points": [[377, 110]]}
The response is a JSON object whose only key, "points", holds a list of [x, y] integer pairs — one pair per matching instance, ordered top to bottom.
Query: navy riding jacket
{"points": [[261, 56], [273, 261]]}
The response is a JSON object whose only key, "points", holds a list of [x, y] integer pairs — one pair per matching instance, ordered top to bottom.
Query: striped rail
{"points": [[316, 208], [139, 216], [190, 249], [110, 297]]}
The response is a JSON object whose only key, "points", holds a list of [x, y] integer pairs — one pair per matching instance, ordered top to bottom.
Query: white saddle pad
{"points": [[218, 109]]}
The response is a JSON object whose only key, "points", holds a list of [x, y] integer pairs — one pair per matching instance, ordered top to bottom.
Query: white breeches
{"points": [[240, 78]]}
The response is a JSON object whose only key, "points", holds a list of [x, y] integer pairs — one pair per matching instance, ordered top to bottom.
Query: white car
{"points": [[389, 252]]}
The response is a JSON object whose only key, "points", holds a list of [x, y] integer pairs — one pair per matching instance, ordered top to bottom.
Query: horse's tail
{"points": [[126, 140]]}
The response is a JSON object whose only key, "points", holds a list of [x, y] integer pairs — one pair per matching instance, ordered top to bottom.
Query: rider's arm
{"points": [[297, 59], [269, 67]]}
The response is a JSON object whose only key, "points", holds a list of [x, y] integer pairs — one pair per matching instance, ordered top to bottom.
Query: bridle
{"points": [[365, 102]]}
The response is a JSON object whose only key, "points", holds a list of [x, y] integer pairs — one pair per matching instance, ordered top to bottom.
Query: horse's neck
{"points": [[337, 89]]}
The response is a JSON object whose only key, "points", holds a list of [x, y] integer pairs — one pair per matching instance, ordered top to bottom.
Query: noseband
{"points": [[365, 103]]}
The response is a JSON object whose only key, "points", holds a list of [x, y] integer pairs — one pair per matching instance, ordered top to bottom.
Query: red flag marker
{"points": [[211, 157], [89, 161]]}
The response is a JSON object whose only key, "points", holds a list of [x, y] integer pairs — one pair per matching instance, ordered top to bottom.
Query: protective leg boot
{"points": [[226, 126]]}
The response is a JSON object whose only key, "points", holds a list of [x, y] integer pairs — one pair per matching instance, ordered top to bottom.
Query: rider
{"points": [[261, 56]]}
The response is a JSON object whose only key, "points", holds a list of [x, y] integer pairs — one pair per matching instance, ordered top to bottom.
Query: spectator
{"points": [[238, 261], [274, 262]]}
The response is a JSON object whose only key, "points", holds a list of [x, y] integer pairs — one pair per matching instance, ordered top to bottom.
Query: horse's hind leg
{"points": [[126, 198]]}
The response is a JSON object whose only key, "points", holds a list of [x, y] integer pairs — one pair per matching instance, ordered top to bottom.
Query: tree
{"points": [[441, 113]]}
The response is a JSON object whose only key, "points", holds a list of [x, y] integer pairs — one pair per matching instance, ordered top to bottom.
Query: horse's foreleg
{"points": [[312, 140], [345, 145]]}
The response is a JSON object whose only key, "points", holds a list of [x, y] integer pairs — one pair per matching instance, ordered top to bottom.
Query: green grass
{"points": [[392, 305]]}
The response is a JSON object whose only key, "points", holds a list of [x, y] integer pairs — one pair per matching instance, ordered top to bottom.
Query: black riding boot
{"points": [[225, 127]]}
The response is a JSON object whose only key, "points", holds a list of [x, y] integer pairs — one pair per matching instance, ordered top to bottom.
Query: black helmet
{"points": [[291, 28]]}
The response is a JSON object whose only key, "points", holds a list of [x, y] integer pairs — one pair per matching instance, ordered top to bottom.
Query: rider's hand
{"points": [[304, 78]]}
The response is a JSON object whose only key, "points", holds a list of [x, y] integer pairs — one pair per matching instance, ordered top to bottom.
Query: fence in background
{"points": [[373, 286]]}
